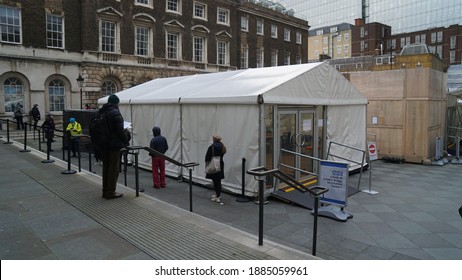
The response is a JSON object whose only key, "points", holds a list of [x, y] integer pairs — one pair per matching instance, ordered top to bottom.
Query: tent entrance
{"points": [[298, 135]]}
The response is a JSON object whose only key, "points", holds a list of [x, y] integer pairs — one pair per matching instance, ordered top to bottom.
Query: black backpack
{"points": [[99, 131]]}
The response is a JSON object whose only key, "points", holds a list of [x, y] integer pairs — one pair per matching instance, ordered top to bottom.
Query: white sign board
{"points": [[372, 148], [333, 175]]}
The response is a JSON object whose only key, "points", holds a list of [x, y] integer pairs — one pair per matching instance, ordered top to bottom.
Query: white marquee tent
{"points": [[190, 109]]}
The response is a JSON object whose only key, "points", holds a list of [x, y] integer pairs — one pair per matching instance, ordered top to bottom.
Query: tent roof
{"points": [[310, 84]]}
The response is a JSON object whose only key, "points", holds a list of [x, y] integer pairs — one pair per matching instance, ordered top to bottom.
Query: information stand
{"points": [[334, 176]]}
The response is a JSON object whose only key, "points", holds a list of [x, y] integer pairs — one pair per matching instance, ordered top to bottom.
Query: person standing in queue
{"points": [[75, 129], [158, 143], [216, 149], [110, 153]]}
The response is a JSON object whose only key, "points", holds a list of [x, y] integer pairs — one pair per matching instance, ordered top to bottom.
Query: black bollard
{"points": [[8, 133], [25, 150], [48, 160], [69, 170], [242, 197]]}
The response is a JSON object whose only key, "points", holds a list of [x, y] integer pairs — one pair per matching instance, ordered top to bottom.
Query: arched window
{"points": [[108, 88], [13, 92], [56, 92]]}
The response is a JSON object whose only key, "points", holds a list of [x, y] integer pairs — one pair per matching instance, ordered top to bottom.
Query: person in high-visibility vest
{"points": [[75, 129]]}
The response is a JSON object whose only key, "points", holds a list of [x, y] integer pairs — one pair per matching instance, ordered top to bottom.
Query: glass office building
{"points": [[402, 15]]}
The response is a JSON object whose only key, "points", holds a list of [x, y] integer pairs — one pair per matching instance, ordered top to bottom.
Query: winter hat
{"points": [[113, 99], [71, 120], [216, 137]]}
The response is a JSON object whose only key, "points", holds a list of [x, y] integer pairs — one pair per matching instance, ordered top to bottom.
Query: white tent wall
{"points": [[347, 125], [239, 127]]}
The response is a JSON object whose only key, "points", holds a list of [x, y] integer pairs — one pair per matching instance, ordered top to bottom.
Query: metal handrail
{"points": [[315, 192]]}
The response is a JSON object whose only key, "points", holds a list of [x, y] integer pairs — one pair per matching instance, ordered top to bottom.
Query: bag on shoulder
{"points": [[99, 131], [213, 166]]}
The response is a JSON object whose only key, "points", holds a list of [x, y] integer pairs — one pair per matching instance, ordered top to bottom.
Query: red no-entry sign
{"points": [[372, 151]]}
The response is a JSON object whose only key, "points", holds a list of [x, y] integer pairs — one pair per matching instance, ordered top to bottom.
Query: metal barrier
{"points": [[361, 163], [190, 166], [315, 192]]}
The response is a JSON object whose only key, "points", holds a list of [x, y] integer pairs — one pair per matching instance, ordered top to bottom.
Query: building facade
{"points": [[332, 41], [112, 45]]}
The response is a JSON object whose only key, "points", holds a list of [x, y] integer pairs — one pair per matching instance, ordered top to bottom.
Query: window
{"points": [[147, 3], [173, 6], [200, 10], [222, 16], [244, 23], [10, 25], [260, 26], [333, 29], [55, 31], [274, 31], [319, 32], [362, 32], [287, 34], [108, 36], [439, 36], [298, 37], [346, 37], [433, 37], [339, 38], [423, 38], [417, 39], [325, 40], [408, 40], [142, 41], [403, 42], [453, 42], [173, 43], [316, 43], [362, 46], [199, 49], [339, 49], [346, 49], [439, 51], [222, 53], [316, 54], [452, 56], [244, 57], [260, 57], [274, 58], [287, 59], [298, 60], [108, 88], [13, 92], [56, 92]]}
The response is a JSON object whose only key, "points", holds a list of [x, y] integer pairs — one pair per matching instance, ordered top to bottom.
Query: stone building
{"points": [[46, 46]]}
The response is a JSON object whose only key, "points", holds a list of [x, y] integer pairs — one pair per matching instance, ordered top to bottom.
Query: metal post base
{"points": [[47, 161], [456, 161], [68, 172], [370, 191], [243, 198], [334, 212]]}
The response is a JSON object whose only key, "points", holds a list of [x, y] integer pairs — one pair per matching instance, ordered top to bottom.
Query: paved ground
{"points": [[49, 215]]}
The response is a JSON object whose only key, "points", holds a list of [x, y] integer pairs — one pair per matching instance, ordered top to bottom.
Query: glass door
{"points": [[297, 134]]}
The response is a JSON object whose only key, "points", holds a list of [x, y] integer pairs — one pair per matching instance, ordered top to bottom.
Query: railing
{"points": [[134, 150], [314, 191]]}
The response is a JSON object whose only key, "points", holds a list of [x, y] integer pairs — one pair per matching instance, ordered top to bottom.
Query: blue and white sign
{"points": [[333, 175]]}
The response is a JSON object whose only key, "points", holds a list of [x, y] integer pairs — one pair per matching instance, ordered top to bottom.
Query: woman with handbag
{"points": [[217, 150]]}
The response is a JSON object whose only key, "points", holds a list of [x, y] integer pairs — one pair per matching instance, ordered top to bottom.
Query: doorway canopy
{"points": [[190, 109]]}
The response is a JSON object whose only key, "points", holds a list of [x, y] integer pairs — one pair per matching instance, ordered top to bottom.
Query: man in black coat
{"points": [[110, 153]]}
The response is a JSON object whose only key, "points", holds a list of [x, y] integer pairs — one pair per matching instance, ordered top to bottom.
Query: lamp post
{"points": [[80, 80]]}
